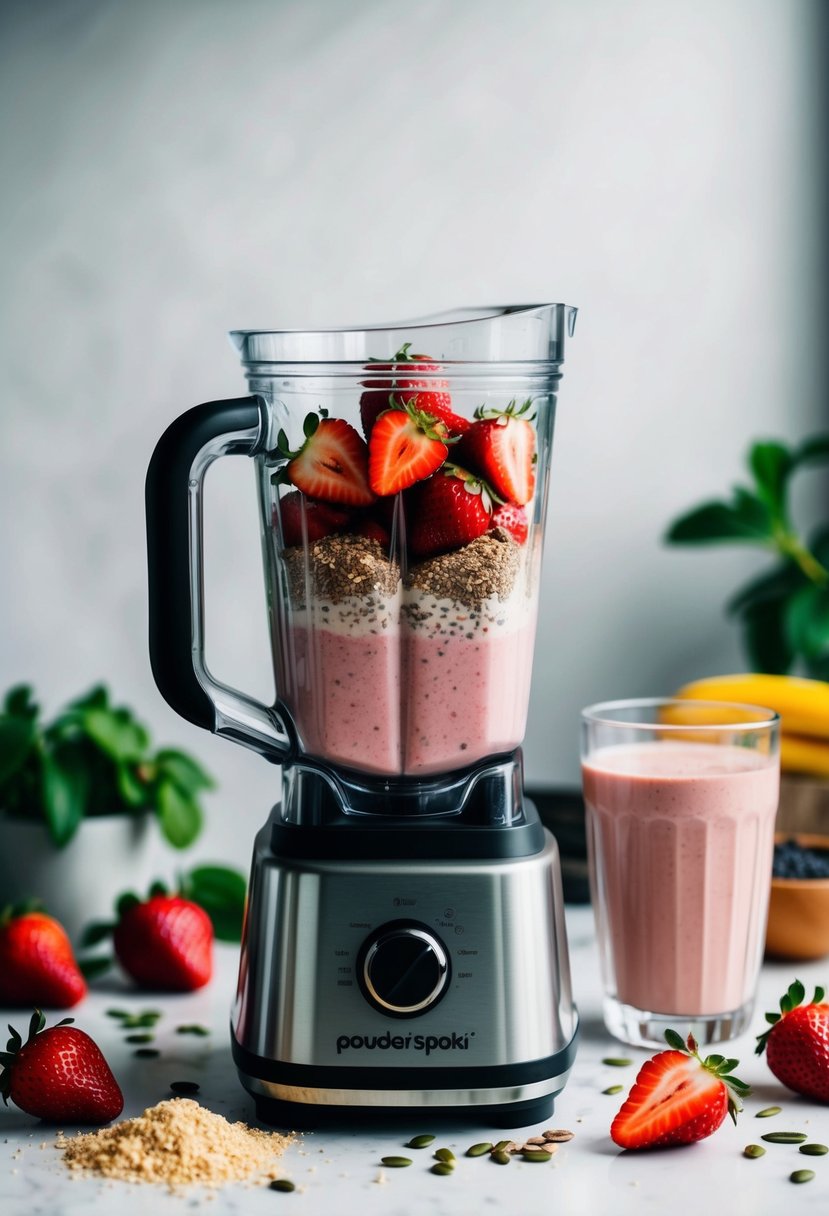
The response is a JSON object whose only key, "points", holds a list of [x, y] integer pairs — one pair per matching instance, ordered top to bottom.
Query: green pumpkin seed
{"points": [[117, 1013], [201, 1031], [139, 1038], [146, 1053], [616, 1061], [185, 1087], [613, 1089], [768, 1111], [785, 1137], [420, 1141], [500, 1146], [479, 1150], [754, 1150], [814, 1150], [445, 1155], [536, 1156], [500, 1157], [396, 1163], [443, 1168], [802, 1176], [282, 1184]]}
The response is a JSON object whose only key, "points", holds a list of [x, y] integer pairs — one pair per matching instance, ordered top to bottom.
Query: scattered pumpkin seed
{"points": [[117, 1013], [202, 1031], [139, 1038], [146, 1053], [616, 1061], [185, 1087], [613, 1089], [768, 1111], [558, 1135], [785, 1137], [420, 1141], [500, 1146], [479, 1150], [754, 1150], [814, 1150], [445, 1155], [535, 1155], [500, 1157], [396, 1163], [443, 1168], [802, 1176], [282, 1184]]}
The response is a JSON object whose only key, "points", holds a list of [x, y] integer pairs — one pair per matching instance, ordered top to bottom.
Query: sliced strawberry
{"points": [[429, 395], [406, 446], [500, 447], [332, 463], [447, 511], [304, 519], [513, 520], [678, 1098]]}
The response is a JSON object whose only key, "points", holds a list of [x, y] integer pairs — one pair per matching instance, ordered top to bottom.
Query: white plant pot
{"points": [[79, 883]]}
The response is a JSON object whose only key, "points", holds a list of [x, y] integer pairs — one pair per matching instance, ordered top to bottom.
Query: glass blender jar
{"points": [[403, 474]]}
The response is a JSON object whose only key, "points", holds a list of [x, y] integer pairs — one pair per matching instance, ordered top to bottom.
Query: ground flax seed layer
{"points": [[177, 1142]]}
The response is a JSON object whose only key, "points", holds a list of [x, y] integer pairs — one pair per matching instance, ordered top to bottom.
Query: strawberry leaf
{"points": [[97, 932], [92, 967], [820, 993], [674, 1040], [15, 1042]]}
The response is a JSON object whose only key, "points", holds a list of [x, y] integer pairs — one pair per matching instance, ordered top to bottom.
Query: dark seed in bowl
{"points": [[793, 860]]}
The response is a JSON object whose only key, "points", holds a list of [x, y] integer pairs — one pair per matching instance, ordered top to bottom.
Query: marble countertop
{"points": [[340, 1171]]}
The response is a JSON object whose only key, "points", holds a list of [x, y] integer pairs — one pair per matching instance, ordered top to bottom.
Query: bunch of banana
{"points": [[803, 706]]}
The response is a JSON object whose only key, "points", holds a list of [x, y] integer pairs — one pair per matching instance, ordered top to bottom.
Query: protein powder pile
{"points": [[177, 1142]]}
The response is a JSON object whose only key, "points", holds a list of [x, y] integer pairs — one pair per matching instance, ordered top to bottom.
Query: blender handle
{"points": [[174, 488]]}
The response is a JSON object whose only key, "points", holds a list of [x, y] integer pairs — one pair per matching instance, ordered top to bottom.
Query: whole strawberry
{"points": [[428, 394], [447, 511], [305, 520], [164, 942], [37, 965], [797, 1043], [59, 1075], [678, 1098]]}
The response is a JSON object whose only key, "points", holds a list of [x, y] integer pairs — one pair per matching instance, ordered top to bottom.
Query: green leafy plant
{"points": [[784, 613], [92, 759]]}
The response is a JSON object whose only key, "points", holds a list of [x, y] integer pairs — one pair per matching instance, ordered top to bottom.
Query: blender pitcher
{"points": [[402, 474]]}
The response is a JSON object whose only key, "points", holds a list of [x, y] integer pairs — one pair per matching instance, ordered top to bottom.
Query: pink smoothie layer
{"points": [[408, 702], [682, 836]]}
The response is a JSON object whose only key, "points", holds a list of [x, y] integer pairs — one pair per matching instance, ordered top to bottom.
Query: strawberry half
{"points": [[428, 395], [406, 446], [500, 447], [331, 464], [447, 511], [303, 519], [513, 520], [37, 964], [797, 1043], [59, 1074], [678, 1098]]}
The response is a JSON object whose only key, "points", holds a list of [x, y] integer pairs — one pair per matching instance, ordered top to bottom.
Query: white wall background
{"points": [[176, 168]]}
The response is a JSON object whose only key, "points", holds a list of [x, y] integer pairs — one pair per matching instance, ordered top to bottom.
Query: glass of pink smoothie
{"points": [[680, 799]]}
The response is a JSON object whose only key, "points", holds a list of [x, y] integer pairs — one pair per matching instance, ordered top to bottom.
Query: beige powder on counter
{"points": [[176, 1142]]}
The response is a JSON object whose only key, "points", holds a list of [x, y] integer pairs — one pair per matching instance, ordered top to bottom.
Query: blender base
{"points": [[277, 1113]]}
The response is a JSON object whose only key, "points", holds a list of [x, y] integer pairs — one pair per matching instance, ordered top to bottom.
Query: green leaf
{"points": [[310, 425], [812, 451], [771, 464], [746, 521], [819, 544], [776, 584], [807, 621], [765, 639], [96, 698], [19, 703], [116, 733], [16, 738], [183, 771], [130, 786], [65, 792], [179, 816], [221, 892], [126, 901], [96, 932], [92, 967], [796, 993], [820, 993], [675, 1040]]}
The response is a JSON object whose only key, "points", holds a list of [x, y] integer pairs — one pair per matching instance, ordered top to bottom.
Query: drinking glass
{"points": [[680, 799]]}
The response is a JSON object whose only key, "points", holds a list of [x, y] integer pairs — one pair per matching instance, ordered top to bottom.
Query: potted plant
{"points": [[78, 795]]}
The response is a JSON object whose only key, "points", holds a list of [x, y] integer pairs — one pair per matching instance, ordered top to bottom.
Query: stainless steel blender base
{"points": [[497, 1027]]}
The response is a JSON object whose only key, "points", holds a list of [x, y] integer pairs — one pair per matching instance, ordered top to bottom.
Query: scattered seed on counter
{"points": [[117, 1013], [201, 1031], [139, 1038], [146, 1053], [616, 1061], [185, 1087], [613, 1089], [768, 1111], [558, 1135], [784, 1137], [420, 1141], [479, 1150], [754, 1150], [814, 1150], [445, 1155], [535, 1155], [500, 1157], [396, 1163], [442, 1168], [802, 1176], [282, 1184]]}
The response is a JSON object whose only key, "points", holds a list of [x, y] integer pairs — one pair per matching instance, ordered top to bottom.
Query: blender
{"points": [[404, 943]]}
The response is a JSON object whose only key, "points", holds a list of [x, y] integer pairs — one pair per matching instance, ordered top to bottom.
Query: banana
{"points": [[803, 705], [799, 755]]}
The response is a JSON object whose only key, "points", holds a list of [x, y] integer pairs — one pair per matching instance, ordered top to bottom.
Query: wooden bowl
{"points": [[798, 924]]}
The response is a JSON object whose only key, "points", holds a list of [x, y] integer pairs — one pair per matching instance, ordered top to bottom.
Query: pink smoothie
{"points": [[407, 701], [681, 838]]}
